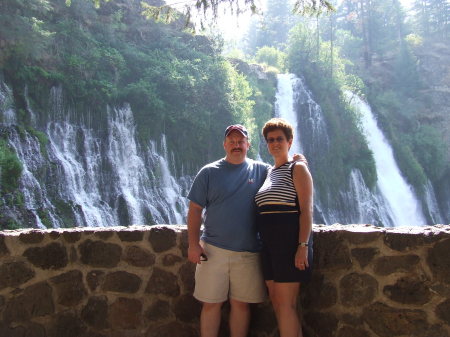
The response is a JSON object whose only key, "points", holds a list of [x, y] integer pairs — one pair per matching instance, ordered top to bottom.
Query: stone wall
{"points": [[136, 281]]}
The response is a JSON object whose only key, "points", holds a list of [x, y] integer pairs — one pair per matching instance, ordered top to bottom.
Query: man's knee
{"points": [[239, 305], [211, 306]]}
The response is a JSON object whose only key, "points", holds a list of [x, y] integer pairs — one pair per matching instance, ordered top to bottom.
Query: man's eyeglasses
{"points": [[279, 139]]}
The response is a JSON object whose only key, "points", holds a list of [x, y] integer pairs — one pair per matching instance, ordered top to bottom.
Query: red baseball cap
{"points": [[236, 127]]}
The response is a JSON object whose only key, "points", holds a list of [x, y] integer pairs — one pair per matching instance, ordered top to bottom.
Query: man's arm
{"points": [[194, 221]]}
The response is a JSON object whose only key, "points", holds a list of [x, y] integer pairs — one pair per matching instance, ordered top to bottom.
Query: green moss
{"points": [[10, 168]]}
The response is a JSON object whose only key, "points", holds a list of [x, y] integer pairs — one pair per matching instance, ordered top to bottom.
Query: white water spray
{"points": [[406, 210]]}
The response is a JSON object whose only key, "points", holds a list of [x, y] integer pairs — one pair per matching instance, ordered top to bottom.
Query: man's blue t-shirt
{"points": [[227, 192]]}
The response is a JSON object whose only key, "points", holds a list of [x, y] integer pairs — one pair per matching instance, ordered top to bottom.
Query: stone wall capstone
{"points": [[136, 282]]}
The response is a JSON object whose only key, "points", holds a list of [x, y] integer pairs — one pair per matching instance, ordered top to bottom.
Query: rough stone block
{"points": [[130, 235], [33, 236], [71, 237], [162, 238], [3, 248], [100, 254], [330, 254], [364, 255], [51, 256], [139, 257], [171, 259], [439, 261], [387, 265], [14, 274], [187, 276], [94, 278], [122, 282], [163, 282], [69, 288], [357, 289], [408, 290], [318, 294], [34, 301], [186, 308], [158, 311], [443, 311], [95, 312], [125, 313], [262, 319], [386, 321], [67, 324], [324, 324], [29, 329], [171, 329], [348, 331]]}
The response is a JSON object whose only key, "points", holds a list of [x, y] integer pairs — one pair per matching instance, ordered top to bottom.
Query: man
{"points": [[227, 258]]}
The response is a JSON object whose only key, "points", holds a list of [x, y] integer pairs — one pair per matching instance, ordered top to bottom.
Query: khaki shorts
{"points": [[229, 274]]}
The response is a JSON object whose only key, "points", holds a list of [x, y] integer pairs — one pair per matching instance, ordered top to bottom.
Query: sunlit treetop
{"points": [[201, 10]]}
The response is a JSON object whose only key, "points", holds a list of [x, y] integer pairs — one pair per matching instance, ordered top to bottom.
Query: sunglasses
{"points": [[279, 139]]}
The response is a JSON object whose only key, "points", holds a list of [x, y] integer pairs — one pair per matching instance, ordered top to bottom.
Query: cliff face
{"points": [[434, 68]]}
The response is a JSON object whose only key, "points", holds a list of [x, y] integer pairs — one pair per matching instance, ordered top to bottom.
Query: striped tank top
{"points": [[278, 194]]}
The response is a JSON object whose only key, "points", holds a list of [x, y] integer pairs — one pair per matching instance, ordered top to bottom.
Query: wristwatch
{"points": [[303, 244]]}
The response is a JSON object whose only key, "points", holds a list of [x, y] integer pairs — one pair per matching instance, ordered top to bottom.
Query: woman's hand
{"points": [[301, 258]]}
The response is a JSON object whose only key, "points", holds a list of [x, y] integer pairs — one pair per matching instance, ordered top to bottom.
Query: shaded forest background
{"points": [[184, 85]]}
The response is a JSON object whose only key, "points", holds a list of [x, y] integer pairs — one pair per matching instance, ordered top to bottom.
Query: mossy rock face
{"points": [[65, 211]]}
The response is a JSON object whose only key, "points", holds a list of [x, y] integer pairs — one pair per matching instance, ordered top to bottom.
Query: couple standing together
{"points": [[257, 225]]}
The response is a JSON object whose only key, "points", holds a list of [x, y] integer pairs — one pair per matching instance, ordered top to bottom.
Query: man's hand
{"points": [[300, 157], [194, 253]]}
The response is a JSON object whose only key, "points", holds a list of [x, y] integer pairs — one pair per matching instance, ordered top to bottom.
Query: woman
{"points": [[285, 207]]}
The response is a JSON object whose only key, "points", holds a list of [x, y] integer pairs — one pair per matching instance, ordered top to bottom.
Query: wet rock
{"points": [[162, 238], [100, 254], [51, 256], [139, 257], [387, 265], [14, 274], [122, 282], [163, 282], [69, 287], [357, 289], [408, 290], [95, 312], [125, 313], [386, 321]]}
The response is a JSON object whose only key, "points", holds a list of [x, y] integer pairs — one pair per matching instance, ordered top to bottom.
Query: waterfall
{"points": [[285, 106], [92, 177], [406, 210]]}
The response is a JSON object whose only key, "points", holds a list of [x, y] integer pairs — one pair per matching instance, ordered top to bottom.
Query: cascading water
{"points": [[89, 177], [355, 203], [406, 210]]}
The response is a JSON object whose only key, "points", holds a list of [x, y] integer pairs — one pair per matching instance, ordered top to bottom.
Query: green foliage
{"points": [[272, 57], [324, 71], [429, 149], [10, 168]]}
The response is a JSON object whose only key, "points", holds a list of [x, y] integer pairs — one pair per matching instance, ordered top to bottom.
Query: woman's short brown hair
{"points": [[278, 124]]}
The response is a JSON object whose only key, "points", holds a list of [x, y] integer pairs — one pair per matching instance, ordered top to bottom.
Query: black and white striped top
{"points": [[278, 194]]}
